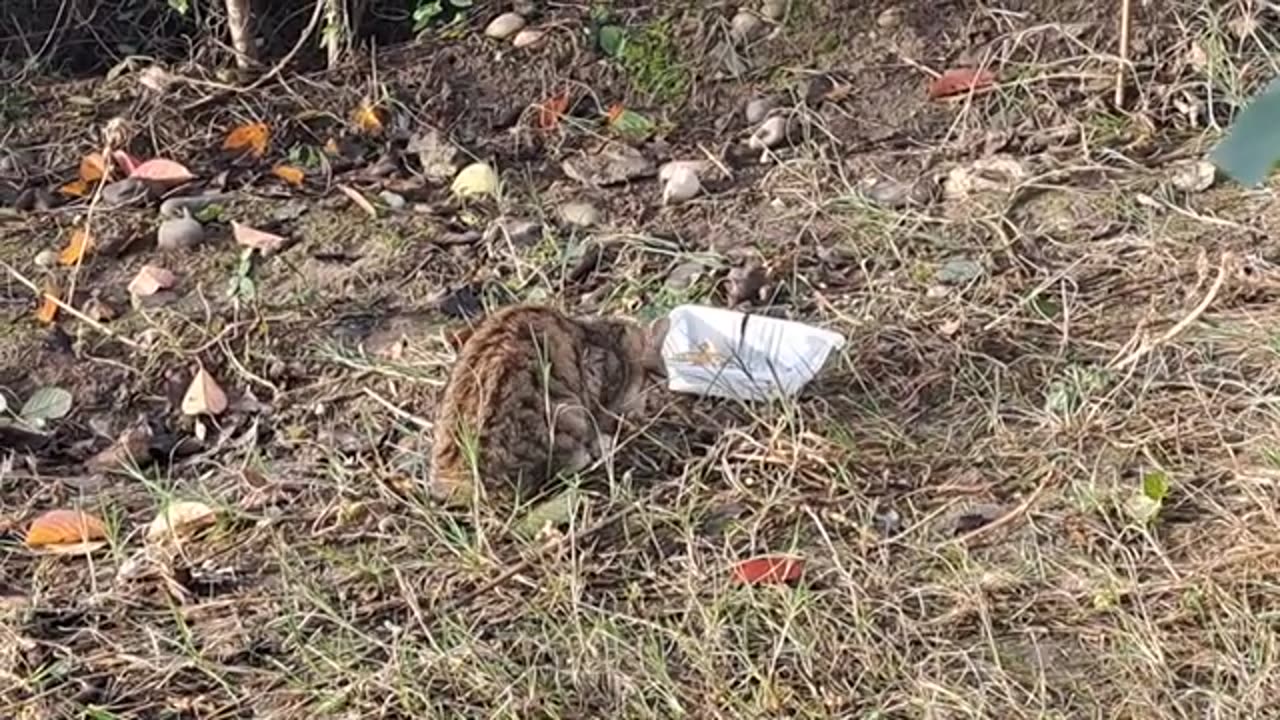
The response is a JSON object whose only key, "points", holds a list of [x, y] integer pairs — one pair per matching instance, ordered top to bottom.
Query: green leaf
{"points": [[612, 38], [632, 124], [1252, 146], [47, 403], [1155, 485], [555, 511]]}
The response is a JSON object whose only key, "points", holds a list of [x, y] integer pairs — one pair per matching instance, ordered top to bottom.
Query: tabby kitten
{"points": [[535, 392]]}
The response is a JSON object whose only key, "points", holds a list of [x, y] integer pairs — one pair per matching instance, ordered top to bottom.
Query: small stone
{"points": [[774, 10], [890, 17], [504, 26], [745, 26], [531, 38], [759, 107], [770, 134], [615, 165], [1195, 176], [680, 182], [128, 191], [896, 194], [392, 200], [580, 214], [182, 233], [46, 258], [959, 270], [684, 275]]}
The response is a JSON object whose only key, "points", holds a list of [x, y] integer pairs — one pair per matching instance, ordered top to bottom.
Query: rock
{"points": [[774, 10], [890, 17], [504, 26], [745, 26], [530, 38], [758, 108], [770, 134], [614, 165], [1195, 176], [680, 182], [128, 191], [897, 194], [392, 200], [580, 214], [182, 233], [46, 258], [957, 271], [684, 275]]}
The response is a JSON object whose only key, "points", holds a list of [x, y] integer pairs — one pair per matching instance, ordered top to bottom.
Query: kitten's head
{"points": [[638, 352]]}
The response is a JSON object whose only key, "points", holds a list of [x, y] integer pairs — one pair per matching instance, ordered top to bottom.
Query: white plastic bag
{"points": [[724, 353]]}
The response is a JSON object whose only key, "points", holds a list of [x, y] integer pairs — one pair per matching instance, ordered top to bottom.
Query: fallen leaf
{"points": [[611, 39], [960, 80], [550, 111], [366, 119], [629, 123], [252, 137], [127, 162], [92, 167], [162, 171], [289, 174], [475, 179], [75, 188], [359, 200], [260, 240], [76, 248], [150, 280], [48, 309], [203, 397], [47, 403], [180, 518], [64, 527], [769, 569]]}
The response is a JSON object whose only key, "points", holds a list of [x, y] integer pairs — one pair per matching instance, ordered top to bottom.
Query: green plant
{"points": [[430, 11]]}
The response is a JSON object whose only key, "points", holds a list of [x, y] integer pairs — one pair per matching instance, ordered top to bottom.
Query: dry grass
{"points": [[963, 480]]}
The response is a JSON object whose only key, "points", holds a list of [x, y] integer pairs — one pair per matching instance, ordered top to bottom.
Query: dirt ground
{"points": [[1040, 480]]}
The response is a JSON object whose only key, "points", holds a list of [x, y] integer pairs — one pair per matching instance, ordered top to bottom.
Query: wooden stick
{"points": [[1125, 13], [70, 310]]}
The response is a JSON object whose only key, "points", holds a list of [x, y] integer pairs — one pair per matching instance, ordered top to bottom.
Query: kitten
{"points": [[535, 392]]}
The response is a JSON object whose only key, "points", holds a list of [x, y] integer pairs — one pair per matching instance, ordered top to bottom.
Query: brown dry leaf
{"points": [[960, 80], [550, 111], [366, 119], [252, 137], [92, 167], [162, 171], [290, 174], [75, 188], [359, 199], [260, 240], [79, 246], [150, 280], [48, 309], [203, 397], [130, 449], [179, 518], [64, 527]]}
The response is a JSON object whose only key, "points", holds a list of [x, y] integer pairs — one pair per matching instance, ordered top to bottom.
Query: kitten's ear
{"points": [[654, 336]]}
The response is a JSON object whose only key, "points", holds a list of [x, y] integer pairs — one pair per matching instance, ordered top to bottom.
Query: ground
{"points": [[1039, 480]]}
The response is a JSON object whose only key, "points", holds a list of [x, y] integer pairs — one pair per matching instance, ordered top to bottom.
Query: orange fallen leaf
{"points": [[960, 80], [550, 111], [615, 111], [366, 118], [252, 137], [92, 167], [162, 171], [290, 174], [75, 188], [359, 200], [261, 240], [76, 249], [150, 280], [48, 309], [204, 396], [64, 527], [769, 569]]}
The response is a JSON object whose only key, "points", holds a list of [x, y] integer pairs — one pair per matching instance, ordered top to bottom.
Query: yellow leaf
{"points": [[366, 118], [253, 137], [92, 167], [289, 174], [75, 188], [77, 248], [48, 307], [203, 397], [180, 518], [64, 527]]}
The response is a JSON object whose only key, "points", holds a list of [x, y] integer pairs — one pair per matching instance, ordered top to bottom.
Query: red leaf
{"points": [[960, 80], [550, 112], [162, 171], [769, 569]]}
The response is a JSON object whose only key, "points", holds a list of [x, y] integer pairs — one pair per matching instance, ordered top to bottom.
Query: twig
{"points": [[1125, 8], [275, 69], [70, 310], [1182, 324], [1006, 518]]}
